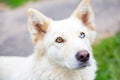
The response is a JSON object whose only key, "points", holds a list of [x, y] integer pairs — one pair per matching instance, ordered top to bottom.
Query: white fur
{"points": [[52, 60], [44, 68]]}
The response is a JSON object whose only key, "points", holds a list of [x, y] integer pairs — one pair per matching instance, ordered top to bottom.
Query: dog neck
{"points": [[48, 71]]}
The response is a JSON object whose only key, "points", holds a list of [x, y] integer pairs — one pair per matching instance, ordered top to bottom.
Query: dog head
{"points": [[66, 42]]}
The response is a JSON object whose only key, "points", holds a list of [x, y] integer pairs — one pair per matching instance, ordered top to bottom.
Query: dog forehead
{"points": [[67, 25]]}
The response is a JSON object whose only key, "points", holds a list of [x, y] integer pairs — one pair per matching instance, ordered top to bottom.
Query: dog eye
{"points": [[82, 35], [59, 40]]}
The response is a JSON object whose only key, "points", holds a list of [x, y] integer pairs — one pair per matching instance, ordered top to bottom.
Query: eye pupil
{"points": [[82, 35], [59, 40]]}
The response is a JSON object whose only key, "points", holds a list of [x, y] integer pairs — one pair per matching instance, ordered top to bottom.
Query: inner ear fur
{"points": [[85, 14], [38, 24]]}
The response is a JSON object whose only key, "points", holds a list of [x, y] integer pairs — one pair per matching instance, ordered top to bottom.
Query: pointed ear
{"points": [[85, 14], [38, 24]]}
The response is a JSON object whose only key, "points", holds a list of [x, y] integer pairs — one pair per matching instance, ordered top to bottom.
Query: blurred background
{"points": [[15, 39]]}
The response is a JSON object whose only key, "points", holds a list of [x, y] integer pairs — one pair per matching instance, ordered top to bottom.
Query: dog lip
{"points": [[83, 65]]}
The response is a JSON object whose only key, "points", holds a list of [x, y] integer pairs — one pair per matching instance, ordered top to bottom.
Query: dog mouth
{"points": [[83, 65], [79, 66]]}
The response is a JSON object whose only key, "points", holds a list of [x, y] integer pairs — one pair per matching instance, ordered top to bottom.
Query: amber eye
{"points": [[82, 35], [59, 40]]}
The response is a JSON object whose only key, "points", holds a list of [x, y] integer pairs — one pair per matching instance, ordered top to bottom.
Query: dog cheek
{"points": [[54, 54], [71, 63]]}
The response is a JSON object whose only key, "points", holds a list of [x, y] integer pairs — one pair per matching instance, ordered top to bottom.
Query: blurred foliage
{"points": [[15, 3], [107, 53]]}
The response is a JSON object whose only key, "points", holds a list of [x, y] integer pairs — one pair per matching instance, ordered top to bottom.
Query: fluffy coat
{"points": [[52, 60]]}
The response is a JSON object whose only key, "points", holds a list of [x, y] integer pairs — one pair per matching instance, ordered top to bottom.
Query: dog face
{"points": [[66, 43]]}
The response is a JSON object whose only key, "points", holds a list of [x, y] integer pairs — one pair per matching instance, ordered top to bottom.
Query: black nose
{"points": [[83, 56]]}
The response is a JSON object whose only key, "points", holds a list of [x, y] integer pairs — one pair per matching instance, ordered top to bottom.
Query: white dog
{"points": [[62, 49]]}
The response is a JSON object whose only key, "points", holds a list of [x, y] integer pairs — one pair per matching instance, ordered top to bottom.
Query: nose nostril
{"points": [[88, 55], [81, 56]]}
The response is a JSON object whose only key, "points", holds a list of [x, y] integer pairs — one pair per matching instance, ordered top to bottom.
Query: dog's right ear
{"points": [[38, 24]]}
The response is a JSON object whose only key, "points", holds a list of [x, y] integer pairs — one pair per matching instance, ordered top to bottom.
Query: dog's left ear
{"points": [[85, 14]]}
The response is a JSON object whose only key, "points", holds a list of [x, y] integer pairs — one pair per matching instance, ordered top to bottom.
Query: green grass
{"points": [[15, 3], [107, 54]]}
